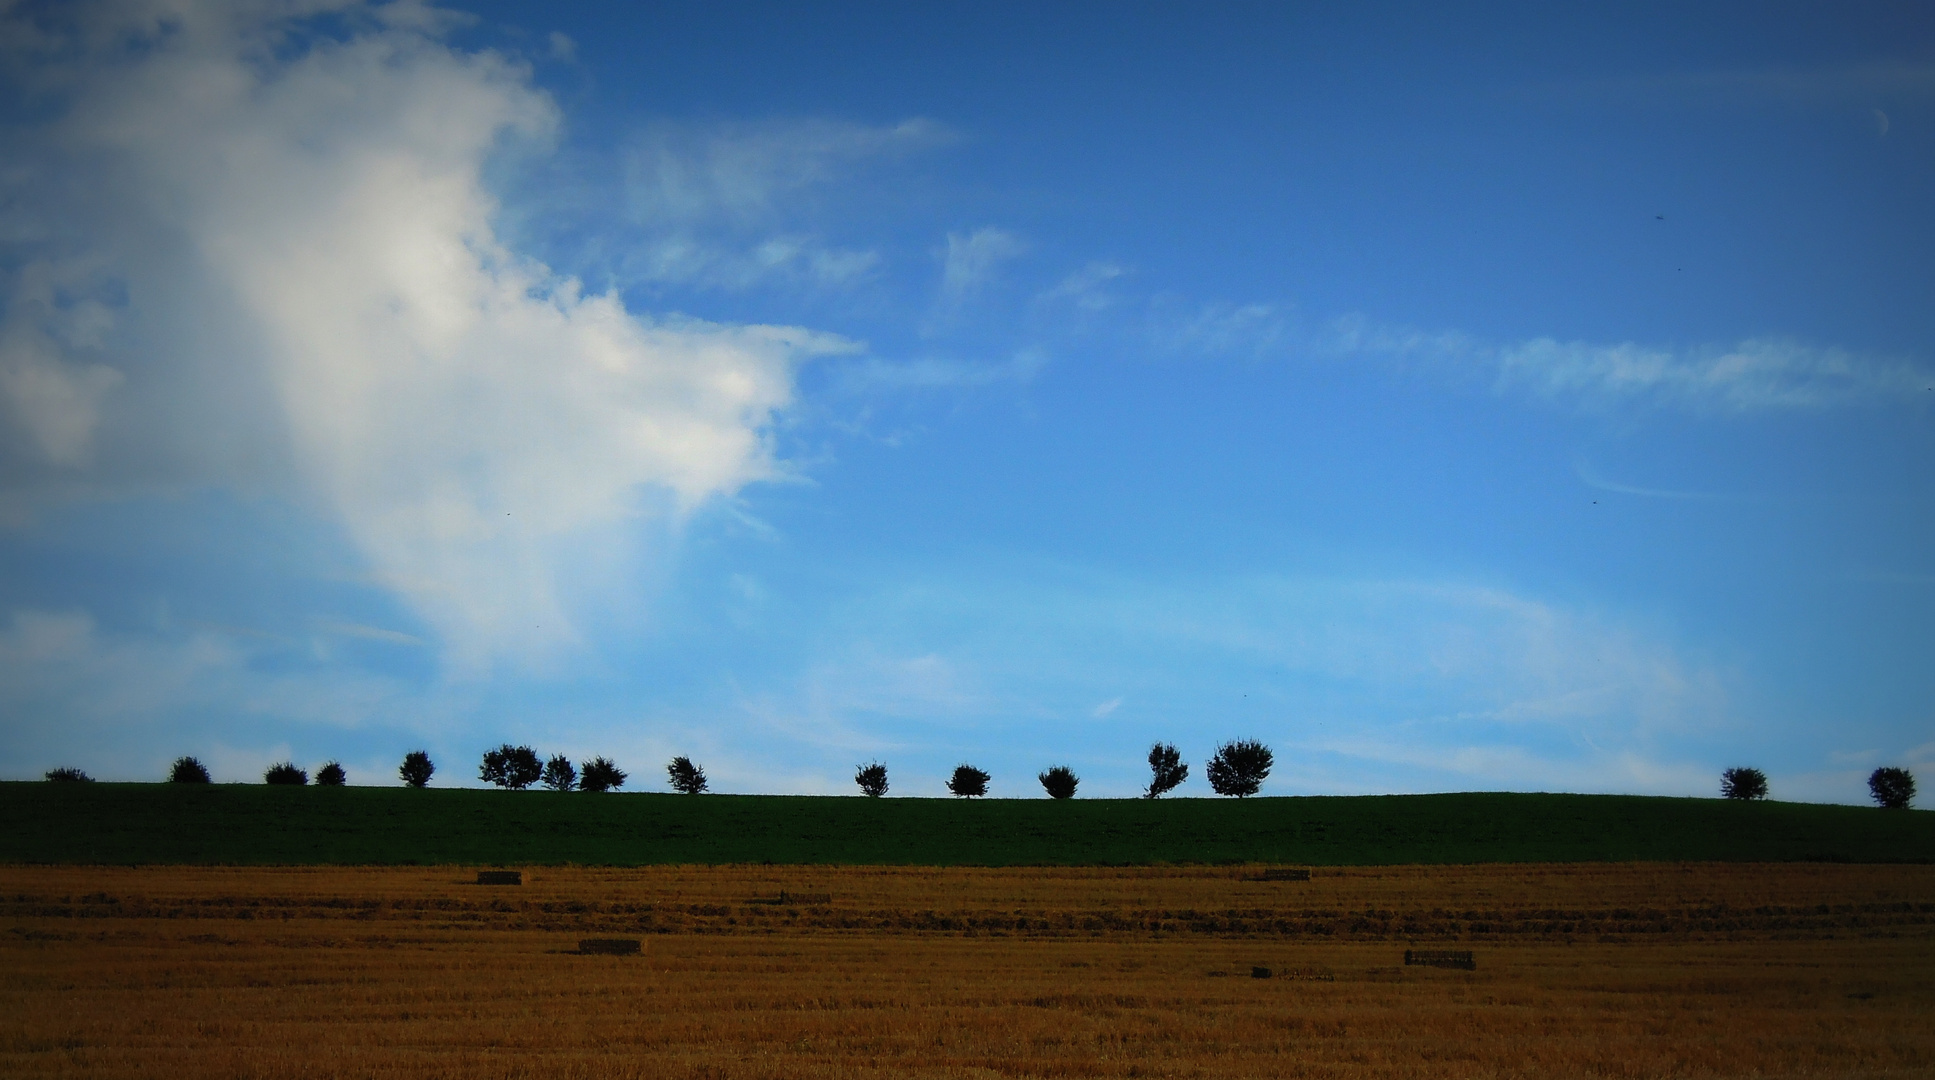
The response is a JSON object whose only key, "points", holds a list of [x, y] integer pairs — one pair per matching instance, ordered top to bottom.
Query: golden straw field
{"points": [[1640, 970]]}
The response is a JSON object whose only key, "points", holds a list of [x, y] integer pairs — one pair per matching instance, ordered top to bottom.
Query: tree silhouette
{"points": [[513, 767], [417, 768], [1239, 768], [187, 770], [1167, 770], [285, 773], [332, 774], [559, 774], [599, 774], [68, 776], [685, 777], [872, 778], [1059, 781], [968, 782], [1743, 784], [1893, 788]]}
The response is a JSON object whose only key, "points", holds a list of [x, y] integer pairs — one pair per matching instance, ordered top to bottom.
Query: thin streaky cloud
{"points": [[679, 174], [733, 206], [971, 261], [1085, 288], [1231, 330], [873, 373], [1756, 375], [1592, 479], [371, 633]]}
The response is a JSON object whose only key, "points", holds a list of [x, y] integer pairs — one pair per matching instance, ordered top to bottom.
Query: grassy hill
{"points": [[258, 824]]}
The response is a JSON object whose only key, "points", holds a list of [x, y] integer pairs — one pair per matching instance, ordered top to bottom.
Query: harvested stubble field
{"points": [[1691, 970]]}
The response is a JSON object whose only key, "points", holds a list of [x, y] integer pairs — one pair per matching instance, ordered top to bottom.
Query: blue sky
{"points": [[1491, 398]]}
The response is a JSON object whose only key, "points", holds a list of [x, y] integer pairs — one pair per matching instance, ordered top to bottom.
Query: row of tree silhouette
{"points": [[507, 766], [518, 767], [1238, 768], [188, 770], [1891, 788]]}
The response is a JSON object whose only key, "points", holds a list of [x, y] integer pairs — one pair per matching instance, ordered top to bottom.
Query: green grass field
{"points": [[258, 824]]}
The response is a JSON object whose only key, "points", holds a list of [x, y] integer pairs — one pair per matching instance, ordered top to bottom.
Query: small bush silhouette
{"points": [[513, 767], [1239, 768], [417, 769], [187, 770], [1167, 770], [285, 773], [332, 774], [559, 774], [599, 774], [68, 776], [685, 777], [872, 778], [1059, 781], [968, 782], [1743, 784], [1893, 788]]}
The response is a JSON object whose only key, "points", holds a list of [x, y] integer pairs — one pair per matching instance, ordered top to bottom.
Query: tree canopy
{"points": [[513, 767], [417, 768], [1239, 768], [1167, 770], [600, 774], [685, 777], [968, 781], [1059, 781], [1743, 783], [1892, 788]]}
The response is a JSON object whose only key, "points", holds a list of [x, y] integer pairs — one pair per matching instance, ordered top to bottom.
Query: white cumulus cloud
{"points": [[238, 250]]}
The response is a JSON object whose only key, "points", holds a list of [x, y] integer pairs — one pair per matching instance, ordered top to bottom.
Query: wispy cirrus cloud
{"points": [[742, 173], [723, 205], [971, 263], [1087, 288], [1231, 330], [870, 373], [1757, 374], [1591, 478], [366, 632]]}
